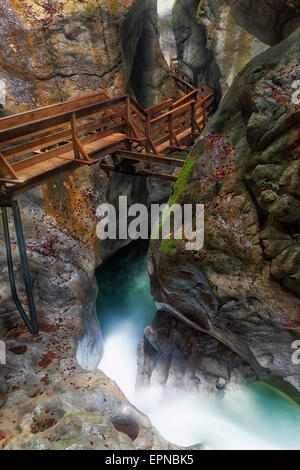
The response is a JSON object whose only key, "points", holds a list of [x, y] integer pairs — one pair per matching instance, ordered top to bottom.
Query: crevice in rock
{"points": [[147, 75]]}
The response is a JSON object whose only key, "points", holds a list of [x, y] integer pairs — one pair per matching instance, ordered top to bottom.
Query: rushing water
{"points": [[253, 417]]}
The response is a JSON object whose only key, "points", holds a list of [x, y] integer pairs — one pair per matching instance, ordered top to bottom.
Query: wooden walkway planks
{"points": [[40, 143]]}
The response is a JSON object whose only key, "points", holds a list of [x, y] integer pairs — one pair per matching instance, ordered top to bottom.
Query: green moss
{"points": [[201, 4], [110, 5], [182, 179], [169, 246]]}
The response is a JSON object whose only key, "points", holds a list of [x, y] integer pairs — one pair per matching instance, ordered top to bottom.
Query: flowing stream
{"points": [[253, 417]]}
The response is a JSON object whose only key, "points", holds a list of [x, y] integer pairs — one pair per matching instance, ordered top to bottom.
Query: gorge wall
{"points": [[211, 46], [52, 53], [242, 288], [227, 314]]}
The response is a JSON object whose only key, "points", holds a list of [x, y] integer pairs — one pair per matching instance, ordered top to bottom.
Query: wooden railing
{"points": [[169, 121], [36, 136], [35, 143]]}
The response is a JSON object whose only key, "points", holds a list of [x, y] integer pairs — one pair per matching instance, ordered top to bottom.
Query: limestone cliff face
{"points": [[270, 21], [211, 45], [54, 51], [242, 288]]}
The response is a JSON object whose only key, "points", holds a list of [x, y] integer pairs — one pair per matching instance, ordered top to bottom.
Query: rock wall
{"points": [[270, 21], [166, 36], [210, 45], [53, 52], [147, 73], [242, 288]]}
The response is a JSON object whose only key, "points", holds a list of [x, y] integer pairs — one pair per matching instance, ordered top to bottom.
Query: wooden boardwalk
{"points": [[38, 144]]}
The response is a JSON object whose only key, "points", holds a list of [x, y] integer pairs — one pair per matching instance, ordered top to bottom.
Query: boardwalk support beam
{"points": [[31, 321]]}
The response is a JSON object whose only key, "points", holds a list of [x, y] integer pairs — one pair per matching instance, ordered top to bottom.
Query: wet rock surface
{"points": [[269, 21], [211, 46], [55, 52], [52, 53], [241, 170], [174, 356], [51, 403]]}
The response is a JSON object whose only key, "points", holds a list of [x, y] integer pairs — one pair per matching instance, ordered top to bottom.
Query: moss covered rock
{"points": [[245, 172]]}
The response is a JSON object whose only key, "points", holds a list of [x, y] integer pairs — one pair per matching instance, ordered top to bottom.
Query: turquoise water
{"points": [[125, 290], [125, 307], [252, 417]]}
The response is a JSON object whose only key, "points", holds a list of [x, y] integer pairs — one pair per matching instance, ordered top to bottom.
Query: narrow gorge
{"points": [[143, 344]]}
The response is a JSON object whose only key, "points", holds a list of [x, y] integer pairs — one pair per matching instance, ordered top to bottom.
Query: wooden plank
{"points": [[187, 86], [205, 99], [142, 112], [35, 115], [136, 124], [37, 128], [161, 128], [32, 130], [180, 136], [53, 139], [160, 140], [177, 147], [55, 153], [150, 158], [39, 166], [143, 172], [154, 174], [11, 181], [15, 190]]}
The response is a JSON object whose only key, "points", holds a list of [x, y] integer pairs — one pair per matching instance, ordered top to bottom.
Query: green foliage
{"points": [[182, 179], [169, 246]]}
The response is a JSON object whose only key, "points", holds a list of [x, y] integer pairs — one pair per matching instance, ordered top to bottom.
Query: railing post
{"points": [[204, 113], [128, 115], [194, 126], [171, 127], [148, 133], [74, 136], [6, 169], [24, 265], [31, 323]]}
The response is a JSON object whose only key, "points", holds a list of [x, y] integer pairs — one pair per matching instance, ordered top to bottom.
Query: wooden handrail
{"points": [[182, 72], [186, 97], [206, 98], [160, 106], [138, 108], [56, 110], [172, 111], [93, 125], [56, 137]]}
